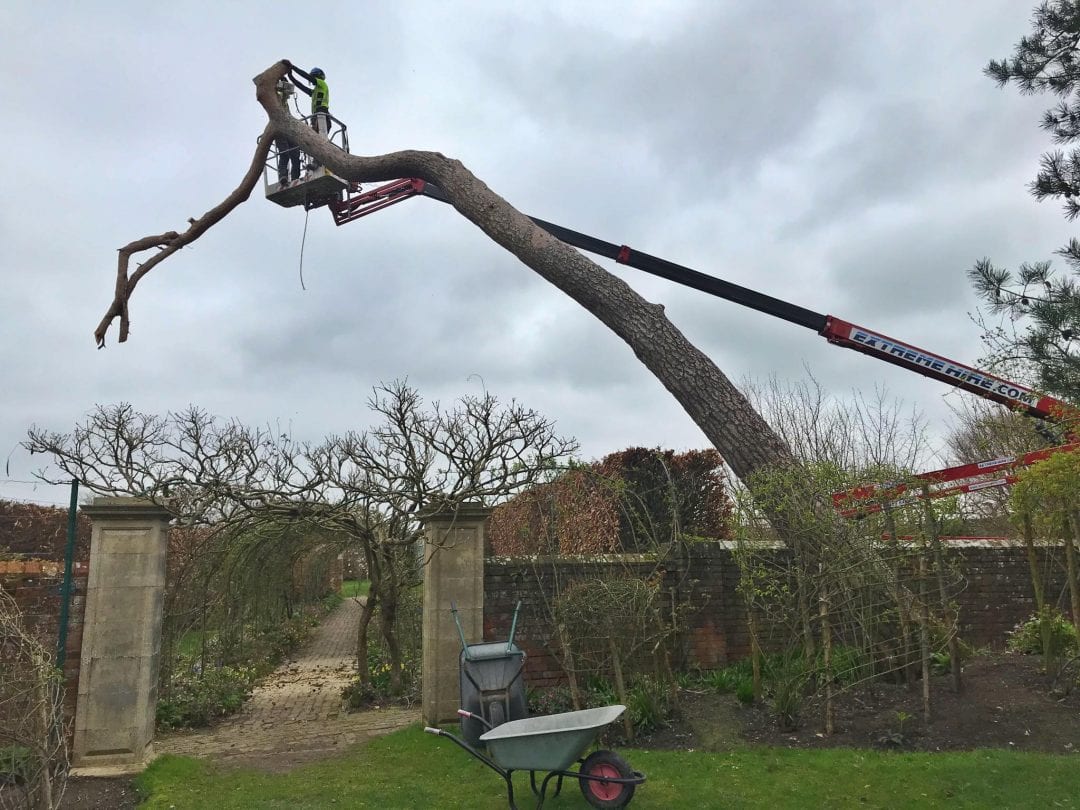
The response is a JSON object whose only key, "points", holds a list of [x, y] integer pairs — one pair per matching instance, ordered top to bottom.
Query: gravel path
{"points": [[296, 715]]}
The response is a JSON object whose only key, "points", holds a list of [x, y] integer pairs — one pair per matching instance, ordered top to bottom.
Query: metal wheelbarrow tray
{"points": [[553, 743]]}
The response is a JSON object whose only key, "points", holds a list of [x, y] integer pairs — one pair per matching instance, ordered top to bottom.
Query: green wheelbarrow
{"points": [[552, 743]]}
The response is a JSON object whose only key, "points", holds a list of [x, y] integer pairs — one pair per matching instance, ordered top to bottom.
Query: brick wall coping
{"points": [[955, 542], [994, 542], [734, 545], [572, 558]]}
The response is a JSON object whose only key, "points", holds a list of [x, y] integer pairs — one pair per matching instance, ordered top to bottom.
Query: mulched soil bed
{"points": [[1006, 702], [86, 792]]}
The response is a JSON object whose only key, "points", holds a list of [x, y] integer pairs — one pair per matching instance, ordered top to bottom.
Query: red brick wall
{"points": [[32, 543], [710, 588], [997, 596]]}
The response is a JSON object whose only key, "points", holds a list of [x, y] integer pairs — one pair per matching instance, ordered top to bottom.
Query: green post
{"points": [[65, 588]]}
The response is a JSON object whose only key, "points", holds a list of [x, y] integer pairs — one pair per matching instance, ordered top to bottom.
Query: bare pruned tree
{"points": [[982, 431], [863, 432], [476, 451], [365, 486]]}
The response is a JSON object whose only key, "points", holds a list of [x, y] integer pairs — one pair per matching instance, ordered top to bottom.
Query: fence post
{"points": [[454, 555], [121, 647]]}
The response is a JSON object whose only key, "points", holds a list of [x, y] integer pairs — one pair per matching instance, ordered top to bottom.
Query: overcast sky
{"points": [[849, 157]]}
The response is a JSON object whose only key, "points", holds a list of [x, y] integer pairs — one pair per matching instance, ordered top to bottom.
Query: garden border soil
{"points": [[1006, 702]]}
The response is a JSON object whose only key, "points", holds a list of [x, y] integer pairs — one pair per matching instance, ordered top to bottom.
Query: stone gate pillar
{"points": [[454, 554], [121, 647]]}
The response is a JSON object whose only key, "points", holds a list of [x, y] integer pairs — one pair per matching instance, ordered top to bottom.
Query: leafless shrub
{"points": [[33, 743]]}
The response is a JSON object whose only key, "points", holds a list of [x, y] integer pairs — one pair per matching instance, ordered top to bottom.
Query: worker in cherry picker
{"points": [[320, 102], [288, 151]]}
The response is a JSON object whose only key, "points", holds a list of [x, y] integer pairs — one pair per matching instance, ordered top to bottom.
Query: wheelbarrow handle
{"points": [[513, 627], [461, 632], [474, 716], [505, 774]]}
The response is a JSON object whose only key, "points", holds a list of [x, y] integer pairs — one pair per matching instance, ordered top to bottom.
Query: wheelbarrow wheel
{"points": [[606, 794]]}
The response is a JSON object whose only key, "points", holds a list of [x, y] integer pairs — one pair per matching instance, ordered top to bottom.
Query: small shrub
{"points": [[1026, 637], [278, 642], [940, 662], [848, 665], [380, 677], [731, 679], [689, 680], [785, 680], [599, 692], [745, 692], [359, 695], [196, 698], [550, 700], [648, 703], [895, 738], [16, 764]]}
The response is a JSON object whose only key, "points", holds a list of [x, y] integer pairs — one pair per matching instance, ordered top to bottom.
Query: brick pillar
{"points": [[454, 554], [121, 644]]}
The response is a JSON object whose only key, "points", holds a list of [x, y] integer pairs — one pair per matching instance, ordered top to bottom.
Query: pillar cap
{"points": [[107, 506], [444, 512]]}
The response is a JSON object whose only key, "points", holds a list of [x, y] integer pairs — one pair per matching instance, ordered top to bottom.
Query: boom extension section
{"points": [[867, 499]]}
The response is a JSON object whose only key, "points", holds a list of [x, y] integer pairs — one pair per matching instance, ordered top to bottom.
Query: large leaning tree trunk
{"points": [[741, 435]]}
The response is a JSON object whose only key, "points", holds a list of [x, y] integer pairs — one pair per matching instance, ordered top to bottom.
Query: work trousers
{"points": [[288, 155]]}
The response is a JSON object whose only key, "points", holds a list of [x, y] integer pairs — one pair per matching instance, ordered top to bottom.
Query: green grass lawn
{"points": [[354, 587], [190, 643], [410, 770]]}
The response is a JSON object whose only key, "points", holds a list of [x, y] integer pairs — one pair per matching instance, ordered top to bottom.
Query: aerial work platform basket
{"points": [[317, 185]]}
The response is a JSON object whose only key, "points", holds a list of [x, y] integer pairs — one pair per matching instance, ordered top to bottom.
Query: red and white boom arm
{"points": [[875, 344]]}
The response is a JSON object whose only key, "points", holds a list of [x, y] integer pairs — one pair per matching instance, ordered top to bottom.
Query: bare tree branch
{"points": [[171, 241]]}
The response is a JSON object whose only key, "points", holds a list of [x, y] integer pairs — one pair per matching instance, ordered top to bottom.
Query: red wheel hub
{"points": [[606, 791]]}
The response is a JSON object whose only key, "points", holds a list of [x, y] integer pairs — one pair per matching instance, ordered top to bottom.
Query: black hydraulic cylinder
{"points": [[674, 272], [687, 277]]}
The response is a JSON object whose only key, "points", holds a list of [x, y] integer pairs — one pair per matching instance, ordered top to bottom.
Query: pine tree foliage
{"points": [[1043, 306]]}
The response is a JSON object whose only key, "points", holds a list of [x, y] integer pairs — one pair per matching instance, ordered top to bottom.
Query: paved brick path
{"points": [[296, 715]]}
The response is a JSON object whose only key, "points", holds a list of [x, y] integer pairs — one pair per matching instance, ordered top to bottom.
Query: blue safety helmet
{"points": [[318, 73]]}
